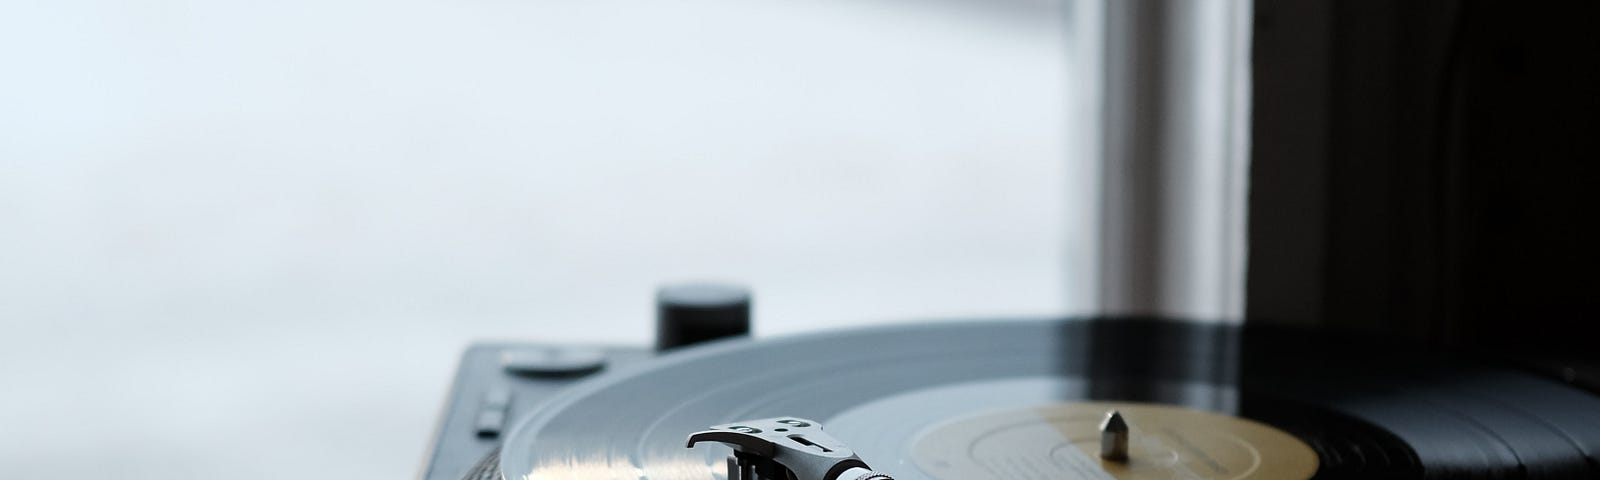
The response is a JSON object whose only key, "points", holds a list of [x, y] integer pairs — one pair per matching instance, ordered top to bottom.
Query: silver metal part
{"points": [[1174, 177], [1114, 437], [786, 448], [862, 474]]}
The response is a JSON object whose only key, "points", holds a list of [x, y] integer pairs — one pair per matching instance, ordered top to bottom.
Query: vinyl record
{"points": [[1020, 399]]}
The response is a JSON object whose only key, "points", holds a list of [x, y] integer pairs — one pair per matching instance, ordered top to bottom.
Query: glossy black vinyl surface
{"points": [[1370, 410]]}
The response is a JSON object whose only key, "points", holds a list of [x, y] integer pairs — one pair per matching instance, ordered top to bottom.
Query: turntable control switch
{"points": [[691, 313], [549, 361], [492, 413]]}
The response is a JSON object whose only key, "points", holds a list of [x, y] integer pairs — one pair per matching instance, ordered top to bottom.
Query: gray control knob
{"points": [[690, 313]]}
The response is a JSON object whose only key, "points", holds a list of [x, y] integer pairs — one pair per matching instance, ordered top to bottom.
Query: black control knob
{"points": [[690, 313]]}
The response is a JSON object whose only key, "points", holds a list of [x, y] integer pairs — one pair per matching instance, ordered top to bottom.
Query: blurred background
{"points": [[249, 239]]}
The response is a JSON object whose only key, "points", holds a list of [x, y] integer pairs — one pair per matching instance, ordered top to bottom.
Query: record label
{"points": [[1063, 441]]}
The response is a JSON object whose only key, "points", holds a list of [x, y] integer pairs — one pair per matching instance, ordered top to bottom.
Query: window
{"points": [[248, 232]]}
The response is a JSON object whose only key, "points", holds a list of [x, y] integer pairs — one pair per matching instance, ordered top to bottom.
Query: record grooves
{"points": [[1014, 396], [1349, 448]]}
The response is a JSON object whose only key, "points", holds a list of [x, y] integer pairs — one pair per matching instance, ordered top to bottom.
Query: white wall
{"points": [[247, 239]]}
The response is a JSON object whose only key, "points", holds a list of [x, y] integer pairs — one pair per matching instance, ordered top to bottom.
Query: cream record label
{"points": [[1063, 441]]}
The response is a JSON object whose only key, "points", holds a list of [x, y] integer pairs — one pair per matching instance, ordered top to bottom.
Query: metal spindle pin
{"points": [[1114, 437]]}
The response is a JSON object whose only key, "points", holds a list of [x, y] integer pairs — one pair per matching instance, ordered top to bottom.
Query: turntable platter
{"points": [[1012, 399]]}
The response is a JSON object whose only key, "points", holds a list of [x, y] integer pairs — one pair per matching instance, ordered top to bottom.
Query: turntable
{"points": [[1090, 398]]}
